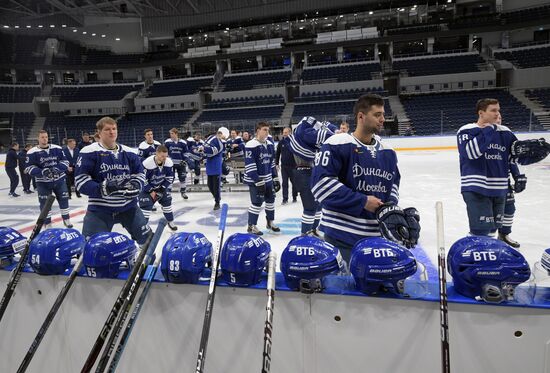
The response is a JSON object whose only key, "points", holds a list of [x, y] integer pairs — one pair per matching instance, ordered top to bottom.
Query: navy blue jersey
{"points": [[308, 137], [192, 145], [145, 150], [177, 150], [213, 151], [236, 151], [71, 157], [41, 158], [485, 158], [259, 163], [96, 164], [346, 172], [158, 176]]}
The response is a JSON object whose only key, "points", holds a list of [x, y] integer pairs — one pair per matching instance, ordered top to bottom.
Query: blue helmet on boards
{"points": [[11, 242], [105, 252], [50, 253], [185, 256], [243, 259], [306, 260], [379, 264], [486, 268]]}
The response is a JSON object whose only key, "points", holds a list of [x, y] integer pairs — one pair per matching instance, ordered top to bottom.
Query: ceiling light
{"points": [[371, 12], [63, 25], [6, 26], [16, 26], [29, 26], [40, 26], [52, 26], [74, 30], [84, 32], [93, 34], [103, 35], [117, 39]]}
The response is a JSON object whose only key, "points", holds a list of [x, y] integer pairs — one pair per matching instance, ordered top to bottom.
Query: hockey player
{"points": [[307, 138], [148, 146], [177, 150], [213, 150], [486, 150], [236, 153], [284, 156], [194, 158], [48, 164], [11, 165], [112, 176], [159, 176], [261, 177], [26, 179], [356, 181]]}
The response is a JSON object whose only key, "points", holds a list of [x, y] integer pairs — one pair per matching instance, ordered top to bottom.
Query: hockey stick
{"points": [[16, 273], [126, 291], [211, 293], [443, 307], [51, 315], [268, 329], [124, 339]]}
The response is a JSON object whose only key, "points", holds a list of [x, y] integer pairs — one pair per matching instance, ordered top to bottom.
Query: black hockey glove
{"points": [[530, 151], [57, 172], [47, 173], [520, 182], [276, 185], [115, 188], [260, 190], [160, 192], [413, 220], [397, 225]]}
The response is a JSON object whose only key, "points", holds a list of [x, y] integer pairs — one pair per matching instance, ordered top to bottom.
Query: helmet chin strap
{"points": [[310, 286]]}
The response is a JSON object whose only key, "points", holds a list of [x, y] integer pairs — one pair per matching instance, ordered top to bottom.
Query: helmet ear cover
{"points": [[105, 252], [185, 257], [486, 268]]}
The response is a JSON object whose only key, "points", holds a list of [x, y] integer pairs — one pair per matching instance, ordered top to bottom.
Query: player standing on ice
{"points": [[307, 138], [147, 148], [213, 149], [177, 150], [486, 150], [47, 163], [112, 176], [159, 176], [261, 177], [356, 181]]}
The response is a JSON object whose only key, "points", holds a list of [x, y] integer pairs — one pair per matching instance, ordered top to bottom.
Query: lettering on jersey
{"points": [[498, 147], [494, 157], [111, 167], [359, 171], [363, 186]]}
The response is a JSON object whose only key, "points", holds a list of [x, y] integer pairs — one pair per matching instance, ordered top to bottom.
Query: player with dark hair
{"points": [[85, 141], [147, 147], [177, 150], [486, 150], [71, 153], [194, 158], [48, 164], [11, 165], [159, 176], [112, 177], [261, 177], [356, 181]]}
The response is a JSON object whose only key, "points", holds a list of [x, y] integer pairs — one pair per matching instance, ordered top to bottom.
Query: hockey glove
{"points": [[530, 151], [57, 173], [48, 174], [520, 182], [276, 185], [115, 188], [132, 189], [260, 190], [159, 193], [413, 221], [393, 223]]}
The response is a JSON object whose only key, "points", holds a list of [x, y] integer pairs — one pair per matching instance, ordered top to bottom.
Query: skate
{"points": [[184, 195], [67, 223], [172, 226], [272, 227], [252, 229], [508, 240]]}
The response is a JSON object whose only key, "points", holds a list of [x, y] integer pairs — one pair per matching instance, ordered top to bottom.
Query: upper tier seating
{"points": [[526, 58], [440, 65], [340, 73], [240, 82], [179, 88], [18, 93], [100, 93], [337, 95], [541, 96], [246, 101], [455, 109], [333, 111], [21, 125]]}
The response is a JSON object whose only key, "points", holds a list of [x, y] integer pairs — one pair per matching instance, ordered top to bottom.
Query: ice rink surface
{"points": [[426, 177]]}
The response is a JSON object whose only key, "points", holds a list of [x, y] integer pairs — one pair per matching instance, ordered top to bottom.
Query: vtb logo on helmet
{"points": [[11, 242], [105, 252], [50, 253], [185, 257], [243, 259], [306, 261], [378, 264], [486, 268]]}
